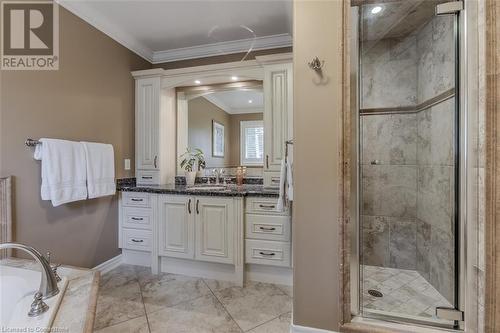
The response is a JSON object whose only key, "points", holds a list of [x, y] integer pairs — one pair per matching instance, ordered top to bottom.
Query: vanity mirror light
{"points": [[225, 121]]}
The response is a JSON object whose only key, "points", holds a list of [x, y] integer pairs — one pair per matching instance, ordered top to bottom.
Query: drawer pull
{"points": [[147, 177], [275, 180], [137, 200], [267, 206], [137, 218], [267, 229], [137, 240], [268, 254]]}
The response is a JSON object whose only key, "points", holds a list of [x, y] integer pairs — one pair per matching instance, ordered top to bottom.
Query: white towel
{"points": [[100, 169], [64, 171], [289, 178], [286, 184], [282, 196]]}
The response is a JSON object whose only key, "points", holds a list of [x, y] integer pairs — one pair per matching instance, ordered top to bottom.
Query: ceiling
{"points": [[397, 19], [174, 30], [237, 101]]}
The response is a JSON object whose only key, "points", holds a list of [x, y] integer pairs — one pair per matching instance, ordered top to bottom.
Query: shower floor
{"points": [[405, 293]]}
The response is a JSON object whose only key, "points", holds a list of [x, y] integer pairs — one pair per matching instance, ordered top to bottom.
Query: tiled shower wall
{"points": [[408, 159]]}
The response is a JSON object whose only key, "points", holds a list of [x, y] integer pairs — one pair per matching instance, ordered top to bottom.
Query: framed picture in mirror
{"points": [[217, 139]]}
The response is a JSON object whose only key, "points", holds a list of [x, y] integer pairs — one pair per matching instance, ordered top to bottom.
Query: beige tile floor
{"points": [[405, 292], [131, 299]]}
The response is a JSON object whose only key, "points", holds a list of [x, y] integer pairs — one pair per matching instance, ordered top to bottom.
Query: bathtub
{"points": [[17, 287]]}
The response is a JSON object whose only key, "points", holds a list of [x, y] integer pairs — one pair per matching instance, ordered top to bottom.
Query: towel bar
{"points": [[31, 143]]}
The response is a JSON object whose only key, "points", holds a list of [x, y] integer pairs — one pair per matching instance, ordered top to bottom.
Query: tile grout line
{"points": [[143, 304], [223, 306], [123, 321]]}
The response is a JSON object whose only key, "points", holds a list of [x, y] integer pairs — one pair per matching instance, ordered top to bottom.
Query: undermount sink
{"points": [[207, 188]]}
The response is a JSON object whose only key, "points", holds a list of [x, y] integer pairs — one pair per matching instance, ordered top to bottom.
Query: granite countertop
{"points": [[231, 191], [77, 309]]}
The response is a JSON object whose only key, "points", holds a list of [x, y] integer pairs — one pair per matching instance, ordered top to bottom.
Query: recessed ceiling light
{"points": [[376, 9], [234, 78], [197, 81], [250, 101]]}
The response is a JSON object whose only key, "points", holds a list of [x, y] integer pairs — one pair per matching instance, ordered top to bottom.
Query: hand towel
{"points": [[100, 169], [64, 171], [289, 178], [282, 194]]}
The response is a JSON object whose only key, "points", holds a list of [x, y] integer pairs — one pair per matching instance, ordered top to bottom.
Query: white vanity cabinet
{"points": [[147, 116], [278, 117], [154, 130], [136, 219], [176, 226], [197, 227], [267, 233]]}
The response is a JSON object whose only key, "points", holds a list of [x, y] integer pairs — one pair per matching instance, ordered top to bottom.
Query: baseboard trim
{"points": [[109, 264], [269, 274], [304, 329]]}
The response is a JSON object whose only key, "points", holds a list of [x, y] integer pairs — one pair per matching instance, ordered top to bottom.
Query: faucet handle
{"points": [[53, 267], [38, 306]]}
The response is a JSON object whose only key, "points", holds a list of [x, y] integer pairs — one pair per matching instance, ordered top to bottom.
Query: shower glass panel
{"points": [[408, 160]]}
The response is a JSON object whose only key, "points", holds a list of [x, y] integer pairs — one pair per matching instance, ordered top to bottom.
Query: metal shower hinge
{"points": [[449, 7], [449, 313]]}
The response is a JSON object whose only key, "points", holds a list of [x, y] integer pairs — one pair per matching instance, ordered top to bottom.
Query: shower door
{"points": [[408, 130]]}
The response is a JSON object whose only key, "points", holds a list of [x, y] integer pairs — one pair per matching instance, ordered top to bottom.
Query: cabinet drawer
{"points": [[147, 177], [271, 179], [136, 199], [263, 206], [138, 218], [267, 227], [134, 239], [267, 252]]}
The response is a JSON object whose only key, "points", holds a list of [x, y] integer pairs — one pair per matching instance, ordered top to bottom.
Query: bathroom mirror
{"points": [[225, 122]]}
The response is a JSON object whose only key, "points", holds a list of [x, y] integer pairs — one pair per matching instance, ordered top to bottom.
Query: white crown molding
{"points": [[92, 17], [215, 49], [217, 102], [220, 104], [247, 110]]}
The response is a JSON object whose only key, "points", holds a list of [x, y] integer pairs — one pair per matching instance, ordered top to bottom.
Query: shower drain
{"points": [[375, 293]]}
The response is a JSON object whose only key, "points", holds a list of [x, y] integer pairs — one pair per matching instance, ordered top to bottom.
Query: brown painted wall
{"points": [[220, 59], [91, 97], [317, 108], [200, 115], [235, 133]]}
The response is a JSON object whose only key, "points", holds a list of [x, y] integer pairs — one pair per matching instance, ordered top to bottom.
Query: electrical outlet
{"points": [[127, 164]]}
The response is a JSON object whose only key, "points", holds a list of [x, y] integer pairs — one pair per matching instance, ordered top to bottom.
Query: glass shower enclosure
{"points": [[405, 61]]}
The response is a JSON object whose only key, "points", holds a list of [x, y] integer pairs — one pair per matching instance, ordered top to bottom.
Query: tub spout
{"points": [[48, 284]]}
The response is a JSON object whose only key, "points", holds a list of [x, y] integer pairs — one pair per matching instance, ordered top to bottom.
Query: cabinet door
{"points": [[147, 112], [277, 113], [176, 226], [214, 229]]}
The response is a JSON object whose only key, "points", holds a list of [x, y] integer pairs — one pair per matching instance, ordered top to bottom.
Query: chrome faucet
{"points": [[218, 174], [48, 284]]}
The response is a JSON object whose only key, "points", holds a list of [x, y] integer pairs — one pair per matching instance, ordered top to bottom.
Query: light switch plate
{"points": [[127, 164]]}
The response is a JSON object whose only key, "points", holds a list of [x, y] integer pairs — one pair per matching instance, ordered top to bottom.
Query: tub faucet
{"points": [[48, 284]]}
